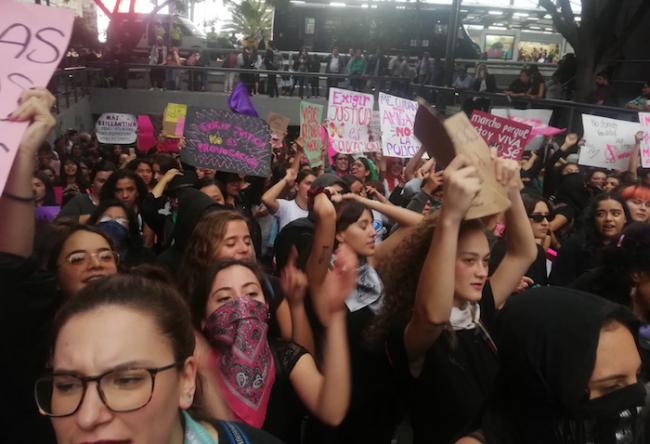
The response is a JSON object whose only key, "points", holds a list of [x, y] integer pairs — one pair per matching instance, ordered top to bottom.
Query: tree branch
{"points": [[564, 23]]}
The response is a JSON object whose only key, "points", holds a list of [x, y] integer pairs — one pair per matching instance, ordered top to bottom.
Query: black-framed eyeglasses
{"points": [[538, 217], [121, 390]]}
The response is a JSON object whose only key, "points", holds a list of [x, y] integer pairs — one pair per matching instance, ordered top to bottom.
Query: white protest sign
{"points": [[33, 40], [349, 115], [397, 116], [644, 120], [116, 128], [608, 142]]}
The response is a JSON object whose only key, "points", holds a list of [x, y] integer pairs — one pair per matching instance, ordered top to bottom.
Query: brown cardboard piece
{"points": [[278, 123], [457, 136]]}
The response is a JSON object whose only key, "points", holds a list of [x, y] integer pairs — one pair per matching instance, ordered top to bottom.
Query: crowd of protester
{"points": [[148, 301]]}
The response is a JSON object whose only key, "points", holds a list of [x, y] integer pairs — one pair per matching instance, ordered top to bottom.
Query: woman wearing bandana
{"points": [[439, 327], [122, 370], [568, 372], [258, 375]]}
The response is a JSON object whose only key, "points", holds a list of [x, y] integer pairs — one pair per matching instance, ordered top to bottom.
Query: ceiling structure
{"points": [[503, 15]]}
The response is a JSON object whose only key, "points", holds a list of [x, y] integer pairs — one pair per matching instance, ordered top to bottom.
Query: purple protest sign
{"points": [[33, 39], [225, 141]]}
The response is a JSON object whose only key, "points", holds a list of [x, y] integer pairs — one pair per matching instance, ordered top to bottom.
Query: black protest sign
{"points": [[226, 141]]}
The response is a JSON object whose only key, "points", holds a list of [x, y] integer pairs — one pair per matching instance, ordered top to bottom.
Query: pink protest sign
{"points": [[33, 39], [349, 115], [644, 119], [146, 136], [508, 136]]}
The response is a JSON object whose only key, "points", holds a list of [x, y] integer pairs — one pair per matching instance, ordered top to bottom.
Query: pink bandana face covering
{"points": [[237, 333]]}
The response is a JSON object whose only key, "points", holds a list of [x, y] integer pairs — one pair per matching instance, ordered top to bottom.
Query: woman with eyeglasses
{"points": [[539, 216], [30, 295], [122, 370]]}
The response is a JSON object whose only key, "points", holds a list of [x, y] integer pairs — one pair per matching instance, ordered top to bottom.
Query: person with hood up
{"points": [[568, 372]]}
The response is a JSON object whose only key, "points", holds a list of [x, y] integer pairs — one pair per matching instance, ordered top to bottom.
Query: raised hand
{"points": [[34, 104], [639, 136], [570, 140], [507, 174], [290, 176], [461, 185], [293, 281], [339, 283]]}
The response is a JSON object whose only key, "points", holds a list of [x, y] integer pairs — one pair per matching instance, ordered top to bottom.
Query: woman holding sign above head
{"points": [[439, 327]]}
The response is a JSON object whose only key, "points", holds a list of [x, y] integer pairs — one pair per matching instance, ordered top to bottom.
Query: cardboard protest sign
{"points": [[33, 39], [349, 114], [311, 116], [397, 116], [174, 120], [644, 120], [278, 123], [116, 128], [146, 135], [457, 136], [508, 136], [226, 141], [608, 142]]}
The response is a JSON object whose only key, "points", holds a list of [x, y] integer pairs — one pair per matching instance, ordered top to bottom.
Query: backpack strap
{"points": [[231, 433]]}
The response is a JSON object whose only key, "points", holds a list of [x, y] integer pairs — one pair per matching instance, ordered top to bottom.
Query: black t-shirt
{"points": [[519, 87], [536, 271], [28, 303], [447, 399], [284, 411], [239, 433]]}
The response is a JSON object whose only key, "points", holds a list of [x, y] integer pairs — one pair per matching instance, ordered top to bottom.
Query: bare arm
{"points": [[636, 154], [413, 163], [159, 189], [270, 198], [397, 214], [17, 221], [323, 245], [521, 249], [294, 285], [434, 297], [327, 395]]}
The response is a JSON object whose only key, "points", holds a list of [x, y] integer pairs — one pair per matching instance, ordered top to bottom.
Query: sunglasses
{"points": [[537, 217]]}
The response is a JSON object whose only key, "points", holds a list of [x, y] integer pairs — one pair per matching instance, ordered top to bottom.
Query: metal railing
{"points": [[71, 84]]}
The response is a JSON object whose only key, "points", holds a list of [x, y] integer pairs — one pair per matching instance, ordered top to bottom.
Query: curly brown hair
{"points": [[202, 247], [400, 273]]}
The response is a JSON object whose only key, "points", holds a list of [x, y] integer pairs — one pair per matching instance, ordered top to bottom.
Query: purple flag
{"points": [[240, 102]]}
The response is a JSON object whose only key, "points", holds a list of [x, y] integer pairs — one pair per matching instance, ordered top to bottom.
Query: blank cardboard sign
{"points": [[456, 135]]}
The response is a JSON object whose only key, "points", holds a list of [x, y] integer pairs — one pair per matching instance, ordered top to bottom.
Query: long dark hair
{"points": [[108, 190], [50, 198], [591, 236], [135, 239], [199, 298]]}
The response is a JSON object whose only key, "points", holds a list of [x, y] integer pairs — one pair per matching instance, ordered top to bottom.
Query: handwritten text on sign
{"points": [[33, 40], [349, 114], [311, 115], [397, 116], [644, 119], [116, 128], [507, 135], [225, 141], [608, 142]]}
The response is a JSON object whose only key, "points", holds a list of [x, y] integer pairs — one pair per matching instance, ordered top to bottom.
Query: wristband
{"points": [[10, 196]]}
